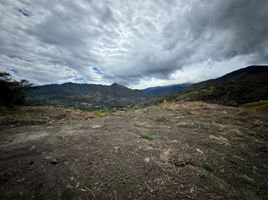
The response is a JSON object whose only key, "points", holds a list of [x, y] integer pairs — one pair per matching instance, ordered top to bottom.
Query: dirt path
{"points": [[174, 151]]}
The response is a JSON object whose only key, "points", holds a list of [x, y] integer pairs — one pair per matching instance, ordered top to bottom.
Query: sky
{"points": [[139, 44]]}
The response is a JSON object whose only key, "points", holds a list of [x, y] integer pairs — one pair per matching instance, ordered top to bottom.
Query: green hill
{"points": [[239, 87]]}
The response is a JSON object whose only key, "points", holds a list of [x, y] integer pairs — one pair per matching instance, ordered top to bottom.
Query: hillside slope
{"points": [[242, 86], [165, 90]]}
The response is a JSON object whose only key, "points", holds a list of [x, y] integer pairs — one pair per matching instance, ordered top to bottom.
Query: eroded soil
{"points": [[196, 151]]}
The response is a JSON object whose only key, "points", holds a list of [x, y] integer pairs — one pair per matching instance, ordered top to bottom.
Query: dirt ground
{"points": [[170, 151]]}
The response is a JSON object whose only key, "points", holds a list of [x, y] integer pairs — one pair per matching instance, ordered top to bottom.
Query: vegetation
{"points": [[239, 87], [12, 91], [88, 97], [258, 105], [147, 135], [209, 166], [202, 174]]}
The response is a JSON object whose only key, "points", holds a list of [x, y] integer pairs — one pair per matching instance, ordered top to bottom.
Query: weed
{"points": [[102, 113], [147, 135], [60, 136], [209, 166], [202, 174], [244, 179]]}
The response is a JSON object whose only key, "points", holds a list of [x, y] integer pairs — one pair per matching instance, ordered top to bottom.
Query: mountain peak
{"points": [[116, 85]]}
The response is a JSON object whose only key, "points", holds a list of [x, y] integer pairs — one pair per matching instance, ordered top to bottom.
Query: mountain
{"points": [[245, 85], [165, 90], [85, 95]]}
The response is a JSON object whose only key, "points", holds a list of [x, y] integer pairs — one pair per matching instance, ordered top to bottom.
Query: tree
{"points": [[12, 91]]}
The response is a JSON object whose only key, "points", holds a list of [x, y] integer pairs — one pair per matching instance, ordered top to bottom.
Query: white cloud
{"points": [[135, 43]]}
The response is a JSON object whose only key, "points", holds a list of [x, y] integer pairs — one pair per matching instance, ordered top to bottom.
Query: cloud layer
{"points": [[138, 43]]}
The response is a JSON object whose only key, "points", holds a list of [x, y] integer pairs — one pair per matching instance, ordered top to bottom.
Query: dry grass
{"points": [[258, 105], [41, 114], [219, 140]]}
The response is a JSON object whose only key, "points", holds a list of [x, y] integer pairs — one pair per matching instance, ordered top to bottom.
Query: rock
{"points": [[96, 126], [33, 147], [116, 149], [200, 151], [48, 158], [147, 160], [54, 161], [31, 162], [192, 189]]}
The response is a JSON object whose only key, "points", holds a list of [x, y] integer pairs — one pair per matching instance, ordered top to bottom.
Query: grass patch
{"points": [[258, 105], [103, 113], [147, 135], [60, 137], [209, 166], [203, 174]]}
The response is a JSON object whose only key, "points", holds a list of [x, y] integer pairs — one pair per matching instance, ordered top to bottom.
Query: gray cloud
{"points": [[136, 43]]}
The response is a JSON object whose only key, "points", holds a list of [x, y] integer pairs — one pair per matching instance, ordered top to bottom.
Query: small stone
{"points": [[96, 126], [33, 147], [116, 149], [200, 151], [48, 158], [147, 160], [54, 161], [31, 162], [192, 189]]}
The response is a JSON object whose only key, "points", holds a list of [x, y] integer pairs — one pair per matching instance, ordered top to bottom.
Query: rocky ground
{"points": [[170, 151]]}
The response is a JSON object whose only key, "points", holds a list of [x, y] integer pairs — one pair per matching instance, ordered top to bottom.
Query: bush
{"points": [[147, 135]]}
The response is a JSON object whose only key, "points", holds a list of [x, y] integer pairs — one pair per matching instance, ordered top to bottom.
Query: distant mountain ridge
{"points": [[245, 85], [242, 86], [165, 90], [85, 95]]}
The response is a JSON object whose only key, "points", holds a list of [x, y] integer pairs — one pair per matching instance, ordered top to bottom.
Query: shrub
{"points": [[147, 135]]}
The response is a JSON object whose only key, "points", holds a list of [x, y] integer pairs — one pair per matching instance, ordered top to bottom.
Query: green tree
{"points": [[12, 91]]}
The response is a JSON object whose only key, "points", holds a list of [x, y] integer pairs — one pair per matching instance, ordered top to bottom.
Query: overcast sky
{"points": [[137, 43]]}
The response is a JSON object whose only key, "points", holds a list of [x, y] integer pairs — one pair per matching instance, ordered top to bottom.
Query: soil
{"points": [[196, 151]]}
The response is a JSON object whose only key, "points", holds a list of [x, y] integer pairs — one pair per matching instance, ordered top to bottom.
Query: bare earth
{"points": [[195, 151]]}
